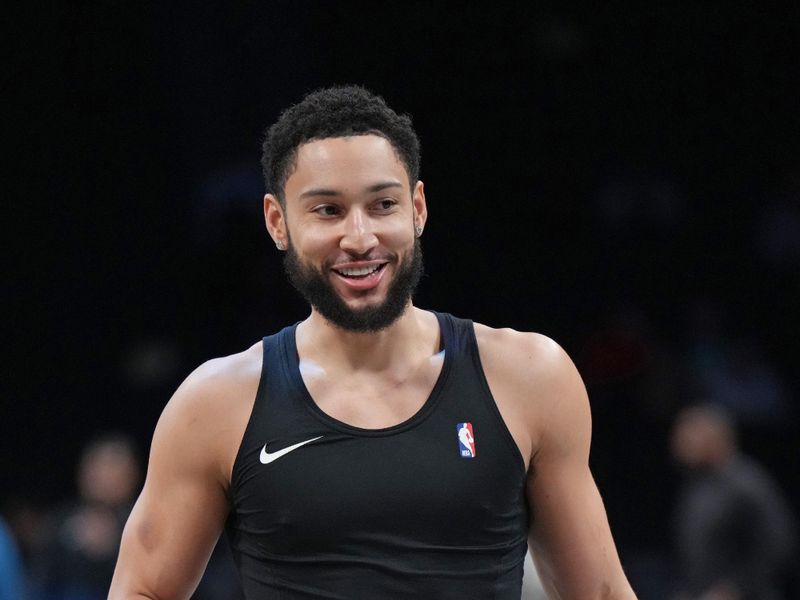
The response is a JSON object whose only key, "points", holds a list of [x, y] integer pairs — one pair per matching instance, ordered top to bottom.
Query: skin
{"points": [[334, 215], [701, 440]]}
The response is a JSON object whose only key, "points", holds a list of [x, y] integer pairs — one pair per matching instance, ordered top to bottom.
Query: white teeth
{"points": [[360, 272]]}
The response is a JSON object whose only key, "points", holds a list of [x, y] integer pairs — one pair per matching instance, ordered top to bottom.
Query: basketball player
{"points": [[331, 450]]}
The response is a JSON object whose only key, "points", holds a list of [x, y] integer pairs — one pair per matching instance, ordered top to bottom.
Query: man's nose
{"points": [[358, 236]]}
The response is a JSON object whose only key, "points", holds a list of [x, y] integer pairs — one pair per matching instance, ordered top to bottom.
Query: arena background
{"points": [[624, 179]]}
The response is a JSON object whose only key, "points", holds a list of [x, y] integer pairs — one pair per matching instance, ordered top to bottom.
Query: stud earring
{"points": [[418, 230], [279, 245]]}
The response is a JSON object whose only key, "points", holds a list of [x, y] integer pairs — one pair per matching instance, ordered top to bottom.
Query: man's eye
{"points": [[386, 203], [327, 210]]}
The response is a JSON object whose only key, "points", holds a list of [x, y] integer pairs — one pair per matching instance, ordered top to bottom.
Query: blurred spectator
{"points": [[23, 519], [734, 532], [76, 560], [12, 581]]}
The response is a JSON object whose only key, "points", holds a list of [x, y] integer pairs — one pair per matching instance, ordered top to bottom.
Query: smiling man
{"points": [[374, 450]]}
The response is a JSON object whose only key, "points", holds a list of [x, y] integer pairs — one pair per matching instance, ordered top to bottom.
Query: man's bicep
{"points": [[178, 517], [570, 538], [167, 542]]}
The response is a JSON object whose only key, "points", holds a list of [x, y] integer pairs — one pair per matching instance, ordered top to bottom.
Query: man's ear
{"points": [[420, 206], [275, 221]]}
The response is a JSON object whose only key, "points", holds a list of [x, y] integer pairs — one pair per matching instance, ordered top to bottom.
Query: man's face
{"points": [[349, 219], [698, 440]]}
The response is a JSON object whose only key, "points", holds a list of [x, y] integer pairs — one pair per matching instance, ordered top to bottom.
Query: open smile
{"points": [[359, 272], [360, 276]]}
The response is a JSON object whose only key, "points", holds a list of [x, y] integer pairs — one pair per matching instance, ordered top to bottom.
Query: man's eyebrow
{"points": [[383, 185], [377, 187], [318, 192]]}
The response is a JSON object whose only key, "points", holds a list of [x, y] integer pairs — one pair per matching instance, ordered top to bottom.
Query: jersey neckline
{"points": [[292, 361]]}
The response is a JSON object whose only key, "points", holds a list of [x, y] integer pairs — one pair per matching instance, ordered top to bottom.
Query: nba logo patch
{"points": [[466, 440]]}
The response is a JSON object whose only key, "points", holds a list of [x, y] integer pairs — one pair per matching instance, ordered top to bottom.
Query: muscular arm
{"points": [[544, 402], [179, 515], [570, 536]]}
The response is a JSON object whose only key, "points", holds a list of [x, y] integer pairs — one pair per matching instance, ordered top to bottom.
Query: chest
{"points": [[372, 401], [374, 468], [417, 485]]}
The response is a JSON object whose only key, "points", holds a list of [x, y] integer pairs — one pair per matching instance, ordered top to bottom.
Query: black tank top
{"points": [[431, 508]]}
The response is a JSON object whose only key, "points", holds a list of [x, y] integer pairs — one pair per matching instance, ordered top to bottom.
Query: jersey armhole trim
{"points": [[476, 358], [260, 391]]}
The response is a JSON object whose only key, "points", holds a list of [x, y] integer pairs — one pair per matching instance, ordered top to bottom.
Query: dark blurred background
{"points": [[624, 179]]}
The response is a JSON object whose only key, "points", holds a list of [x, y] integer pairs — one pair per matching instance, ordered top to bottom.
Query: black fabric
{"points": [[386, 513], [734, 525]]}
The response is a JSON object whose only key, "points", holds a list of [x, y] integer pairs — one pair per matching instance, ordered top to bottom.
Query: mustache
{"points": [[367, 257]]}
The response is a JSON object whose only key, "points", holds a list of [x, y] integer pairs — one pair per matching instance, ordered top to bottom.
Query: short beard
{"points": [[315, 286]]}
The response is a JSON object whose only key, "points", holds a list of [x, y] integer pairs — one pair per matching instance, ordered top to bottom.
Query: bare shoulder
{"points": [[521, 353], [530, 361], [225, 374], [534, 381], [217, 385], [210, 410], [182, 508]]}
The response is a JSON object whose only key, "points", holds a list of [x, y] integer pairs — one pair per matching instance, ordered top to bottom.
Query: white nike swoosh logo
{"points": [[267, 457]]}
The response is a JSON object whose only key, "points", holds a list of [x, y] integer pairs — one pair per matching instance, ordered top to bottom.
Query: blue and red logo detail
{"points": [[466, 440]]}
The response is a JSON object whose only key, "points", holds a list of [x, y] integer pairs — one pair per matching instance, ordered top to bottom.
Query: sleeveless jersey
{"points": [[433, 507]]}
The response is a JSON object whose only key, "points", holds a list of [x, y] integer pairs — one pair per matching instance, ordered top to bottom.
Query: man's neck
{"points": [[408, 338]]}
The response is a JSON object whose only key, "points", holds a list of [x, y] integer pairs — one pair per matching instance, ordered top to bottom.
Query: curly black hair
{"points": [[334, 112]]}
